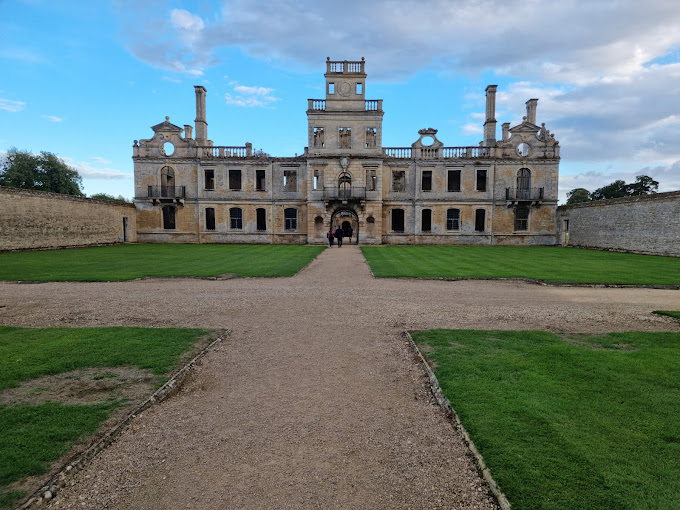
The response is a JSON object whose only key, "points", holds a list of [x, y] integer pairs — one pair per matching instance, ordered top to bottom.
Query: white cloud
{"points": [[173, 80], [250, 96], [11, 106], [52, 118], [101, 161], [88, 172]]}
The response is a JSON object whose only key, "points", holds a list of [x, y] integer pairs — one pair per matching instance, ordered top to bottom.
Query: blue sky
{"points": [[85, 79]]}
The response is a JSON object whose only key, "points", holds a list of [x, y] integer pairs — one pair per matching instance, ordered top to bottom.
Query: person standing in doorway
{"points": [[350, 231], [330, 235], [338, 236]]}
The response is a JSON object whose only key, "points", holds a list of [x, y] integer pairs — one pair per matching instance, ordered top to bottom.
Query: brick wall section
{"points": [[40, 220], [645, 224]]}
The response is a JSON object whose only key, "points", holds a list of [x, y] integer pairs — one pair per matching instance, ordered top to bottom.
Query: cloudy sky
{"points": [[85, 79]]}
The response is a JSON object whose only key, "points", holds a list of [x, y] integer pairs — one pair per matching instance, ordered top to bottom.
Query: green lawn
{"points": [[129, 261], [547, 263], [668, 313], [581, 422], [34, 436]]}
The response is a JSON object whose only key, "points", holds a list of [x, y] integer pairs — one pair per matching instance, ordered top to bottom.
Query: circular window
{"points": [[427, 141], [168, 149], [523, 149]]}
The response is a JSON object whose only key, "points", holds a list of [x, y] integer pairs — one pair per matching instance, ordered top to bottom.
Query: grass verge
{"points": [[130, 261], [546, 263], [668, 313], [581, 422], [35, 435]]}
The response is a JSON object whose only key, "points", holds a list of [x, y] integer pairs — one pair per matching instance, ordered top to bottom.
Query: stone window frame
{"points": [[318, 137], [344, 137], [371, 137], [232, 177], [372, 178], [209, 179], [260, 179], [426, 179], [290, 180], [396, 180], [484, 181], [450, 183], [426, 212], [394, 213], [169, 214], [522, 214], [210, 218], [235, 218], [480, 218], [261, 219], [290, 219], [452, 219]]}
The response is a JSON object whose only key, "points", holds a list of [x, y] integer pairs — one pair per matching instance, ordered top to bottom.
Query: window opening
{"points": [[331, 88], [360, 88], [345, 137], [371, 137], [319, 138], [210, 179], [371, 179], [234, 180], [260, 180], [290, 180], [398, 180], [427, 180], [453, 180], [481, 180], [167, 182], [524, 184], [345, 185], [261, 215], [168, 217], [210, 218], [236, 218], [290, 218], [522, 218], [453, 219], [397, 220], [426, 220], [480, 220]]}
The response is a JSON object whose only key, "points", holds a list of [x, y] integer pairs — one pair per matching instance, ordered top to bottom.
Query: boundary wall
{"points": [[41, 220], [648, 224]]}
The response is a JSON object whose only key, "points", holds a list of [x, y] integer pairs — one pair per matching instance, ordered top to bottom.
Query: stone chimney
{"points": [[531, 110], [490, 123], [201, 124], [506, 130], [188, 131]]}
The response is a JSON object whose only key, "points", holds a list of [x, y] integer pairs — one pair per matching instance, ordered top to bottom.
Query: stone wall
{"points": [[40, 220], [645, 224]]}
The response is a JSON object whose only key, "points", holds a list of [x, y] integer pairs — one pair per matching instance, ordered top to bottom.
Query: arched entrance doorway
{"points": [[347, 219]]}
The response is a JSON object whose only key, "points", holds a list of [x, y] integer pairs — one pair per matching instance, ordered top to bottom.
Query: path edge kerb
{"points": [[453, 416], [50, 489]]}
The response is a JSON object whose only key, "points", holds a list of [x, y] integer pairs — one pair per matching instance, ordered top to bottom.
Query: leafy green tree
{"points": [[42, 172], [643, 185], [616, 189], [578, 195], [106, 196]]}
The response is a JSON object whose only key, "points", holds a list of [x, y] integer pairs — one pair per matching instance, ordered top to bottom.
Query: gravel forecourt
{"points": [[314, 400]]}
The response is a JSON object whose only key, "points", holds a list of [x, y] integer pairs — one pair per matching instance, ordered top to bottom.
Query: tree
{"points": [[42, 172], [643, 185], [616, 189], [578, 195], [106, 196]]}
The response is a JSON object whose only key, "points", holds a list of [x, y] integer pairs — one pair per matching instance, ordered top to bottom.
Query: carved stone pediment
{"points": [[166, 126], [427, 133]]}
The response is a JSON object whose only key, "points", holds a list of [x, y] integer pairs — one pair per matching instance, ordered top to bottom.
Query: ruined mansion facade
{"points": [[500, 192]]}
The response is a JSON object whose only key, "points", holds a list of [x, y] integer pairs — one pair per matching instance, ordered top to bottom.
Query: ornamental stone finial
{"points": [[167, 118]]}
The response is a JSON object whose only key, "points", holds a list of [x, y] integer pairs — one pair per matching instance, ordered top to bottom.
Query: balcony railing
{"points": [[345, 66], [317, 105], [226, 152], [437, 152], [172, 192], [342, 193], [524, 193]]}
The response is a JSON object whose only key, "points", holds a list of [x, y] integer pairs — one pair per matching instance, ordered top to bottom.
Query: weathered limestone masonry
{"points": [[500, 192], [39, 220], [644, 224]]}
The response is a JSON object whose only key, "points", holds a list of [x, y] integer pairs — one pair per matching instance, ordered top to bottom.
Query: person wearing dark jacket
{"points": [[350, 231], [338, 236]]}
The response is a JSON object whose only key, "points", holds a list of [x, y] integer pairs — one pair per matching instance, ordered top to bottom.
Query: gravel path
{"points": [[297, 408]]}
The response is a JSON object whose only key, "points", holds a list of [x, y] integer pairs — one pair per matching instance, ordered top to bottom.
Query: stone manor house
{"points": [[503, 191]]}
